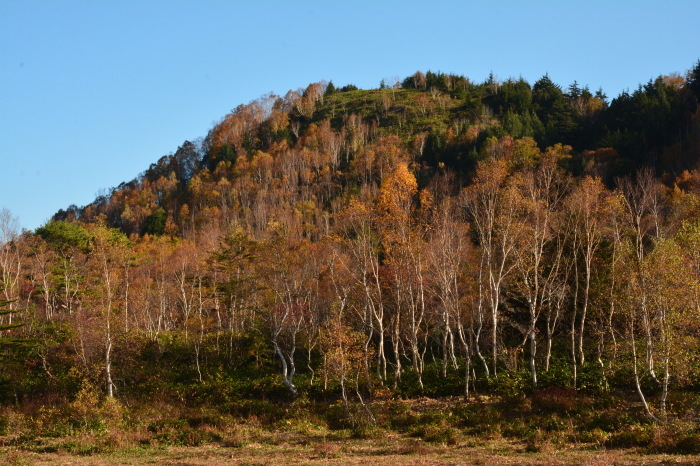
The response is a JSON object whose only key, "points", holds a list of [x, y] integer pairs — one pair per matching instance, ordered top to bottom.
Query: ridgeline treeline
{"points": [[433, 237]]}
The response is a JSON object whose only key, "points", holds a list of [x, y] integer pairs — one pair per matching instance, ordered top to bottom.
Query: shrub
{"points": [[509, 384], [556, 400], [84, 411], [337, 417], [400, 417], [478, 419], [611, 420], [364, 428], [517, 429], [178, 432], [441, 434], [596, 436], [631, 436], [676, 438], [537, 442], [412, 447], [82, 448], [327, 449]]}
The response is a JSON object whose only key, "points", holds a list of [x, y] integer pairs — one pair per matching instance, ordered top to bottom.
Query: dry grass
{"points": [[419, 431], [389, 449]]}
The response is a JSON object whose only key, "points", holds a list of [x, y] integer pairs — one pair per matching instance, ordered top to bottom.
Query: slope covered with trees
{"points": [[433, 237]]}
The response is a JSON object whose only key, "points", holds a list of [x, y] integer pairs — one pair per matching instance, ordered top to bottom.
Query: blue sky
{"points": [[93, 92]]}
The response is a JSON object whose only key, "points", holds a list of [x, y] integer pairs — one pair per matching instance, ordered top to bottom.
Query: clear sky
{"points": [[93, 92]]}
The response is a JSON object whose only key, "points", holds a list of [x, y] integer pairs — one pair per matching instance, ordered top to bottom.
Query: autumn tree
{"points": [[541, 189], [643, 200], [491, 204], [587, 206], [361, 239], [70, 241], [404, 246], [110, 249], [449, 251], [11, 258], [291, 280], [673, 290]]}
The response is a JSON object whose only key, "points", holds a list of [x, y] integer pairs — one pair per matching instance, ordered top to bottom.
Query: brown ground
{"points": [[389, 450]]}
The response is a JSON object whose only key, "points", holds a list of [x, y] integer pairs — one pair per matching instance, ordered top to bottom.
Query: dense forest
{"points": [[433, 237]]}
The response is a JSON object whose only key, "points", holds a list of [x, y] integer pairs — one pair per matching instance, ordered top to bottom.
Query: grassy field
{"points": [[546, 427], [389, 449]]}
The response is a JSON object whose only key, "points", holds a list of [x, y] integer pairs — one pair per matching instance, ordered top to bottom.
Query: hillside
{"points": [[318, 140], [322, 263]]}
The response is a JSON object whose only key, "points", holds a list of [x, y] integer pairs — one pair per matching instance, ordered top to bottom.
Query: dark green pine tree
{"points": [[693, 80]]}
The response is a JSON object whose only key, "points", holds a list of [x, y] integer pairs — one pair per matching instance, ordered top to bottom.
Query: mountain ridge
{"points": [[442, 121]]}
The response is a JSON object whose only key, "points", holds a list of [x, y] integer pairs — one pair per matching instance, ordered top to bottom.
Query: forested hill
{"points": [[314, 146], [433, 237]]}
